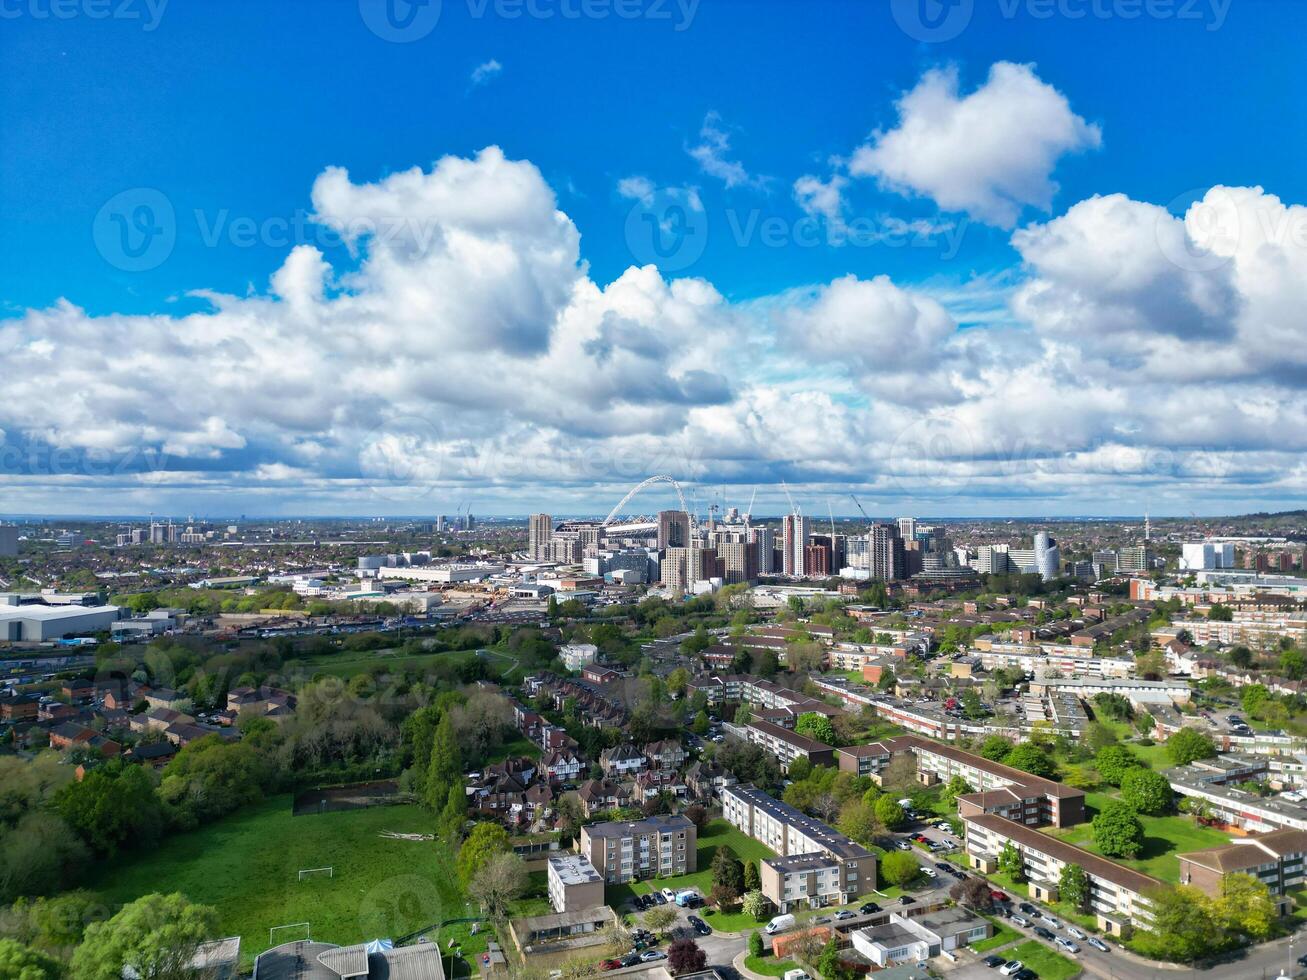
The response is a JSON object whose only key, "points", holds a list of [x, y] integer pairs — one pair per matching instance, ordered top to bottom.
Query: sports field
{"points": [[247, 868]]}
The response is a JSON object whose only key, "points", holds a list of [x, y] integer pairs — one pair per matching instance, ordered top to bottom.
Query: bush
{"points": [[899, 868]]}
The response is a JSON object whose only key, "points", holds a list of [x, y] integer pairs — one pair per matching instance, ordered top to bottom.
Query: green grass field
{"points": [[1164, 838], [246, 867], [1002, 936], [1046, 963], [768, 966]]}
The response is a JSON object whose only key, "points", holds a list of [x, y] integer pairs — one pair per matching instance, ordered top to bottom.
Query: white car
{"points": [[930, 872], [669, 894], [1021, 920], [1052, 922], [1074, 933], [1066, 944], [1098, 944], [649, 955], [1011, 967]]}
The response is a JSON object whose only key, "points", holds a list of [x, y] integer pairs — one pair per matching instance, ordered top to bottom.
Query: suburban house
{"points": [[906, 939]]}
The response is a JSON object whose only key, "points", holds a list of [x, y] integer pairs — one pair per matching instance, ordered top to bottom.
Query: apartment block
{"points": [[786, 745], [1029, 799], [622, 852], [1275, 859], [816, 866], [573, 882], [1117, 894]]}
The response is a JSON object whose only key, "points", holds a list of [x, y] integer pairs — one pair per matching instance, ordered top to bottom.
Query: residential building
{"points": [[539, 529], [673, 529], [577, 655], [786, 745], [623, 852], [1278, 860], [816, 864], [573, 883], [1117, 894]]}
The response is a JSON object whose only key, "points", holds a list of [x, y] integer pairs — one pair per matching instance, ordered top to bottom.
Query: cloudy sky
{"points": [[997, 257]]}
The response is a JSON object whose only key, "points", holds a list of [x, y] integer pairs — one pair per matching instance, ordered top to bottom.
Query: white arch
{"points": [[661, 478]]}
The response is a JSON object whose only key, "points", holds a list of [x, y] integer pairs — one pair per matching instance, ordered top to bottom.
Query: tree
{"points": [[1292, 664], [700, 724], [816, 726], [1188, 744], [995, 748], [1032, 759], [1114, 761], [446, 764], [800, 769], [900, 773], [957, 786], [1147, 791], [112, 807], [697, 814], [890, 814], [454, 815], [859, 822], [1117, 830], [485, 841], [1011, 863], [899, 868], [728, 872], [752, 879], [498, 882], [1073, 887], [974, 893], [724, 897], [756, 905], [1246, 906], [660, 918], [1182, 927], [155, 936], [685, 956], [18, 962], [829, 964]]}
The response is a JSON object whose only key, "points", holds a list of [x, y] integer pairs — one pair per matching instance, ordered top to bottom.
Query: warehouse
{"points": [[33, 623]]}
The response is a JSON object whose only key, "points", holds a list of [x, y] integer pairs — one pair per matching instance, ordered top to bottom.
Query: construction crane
{"points": [[794, 508], [831, 512], [862, 512], [749, 513]]}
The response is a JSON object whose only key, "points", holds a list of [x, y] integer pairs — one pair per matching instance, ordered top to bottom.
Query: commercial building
{"points": [[8, 541], [443, 574], [34, 623], [622, 852], [816, 864], [573, 883], [1117, 894], [914, 939]]}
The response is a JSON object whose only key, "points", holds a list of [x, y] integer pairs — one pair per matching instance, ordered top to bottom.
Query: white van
{"points": [[779, 924], [796, 975]]}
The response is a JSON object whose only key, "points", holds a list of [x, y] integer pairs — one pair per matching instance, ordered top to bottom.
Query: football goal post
{"points": [[327, 872]]}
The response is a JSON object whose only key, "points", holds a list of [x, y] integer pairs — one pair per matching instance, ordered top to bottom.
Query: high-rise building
{"points": [[907, 528], [538, 529], [673, 529], [765, 539], [794, 541], [8, 542], [886, 552], [1200, 555], [1136, 558], [817, 560], [739, 561], [1048, 561]]}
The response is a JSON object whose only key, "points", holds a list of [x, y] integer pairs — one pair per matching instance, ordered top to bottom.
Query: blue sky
{"points": [[228, 114]]}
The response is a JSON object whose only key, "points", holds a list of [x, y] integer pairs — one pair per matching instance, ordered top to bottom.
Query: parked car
{"points": [[903, 845], [944, 866], [930, 872], [668, 894], [999, 896], [659, 898], [907, 900], [867, 908], [1027, 908], [843, 914], [821, 920], [1021, 920], [1051, 921], [699, 926], [1042, 933], [1074, 933], [1067, 945], [1101, 946], [649, 955], [631, 958], [992, 961], [610, 965], [1010, 967], [1025, 973]]}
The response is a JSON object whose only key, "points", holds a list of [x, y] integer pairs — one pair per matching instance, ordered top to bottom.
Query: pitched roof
{"points": [[1251, 851]]}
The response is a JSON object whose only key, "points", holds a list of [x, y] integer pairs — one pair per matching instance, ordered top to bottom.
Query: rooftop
{"points": [[827, 837], [573, 869]]}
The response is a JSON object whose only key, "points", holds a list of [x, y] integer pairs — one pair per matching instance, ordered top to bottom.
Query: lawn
{"points": [[714, 835], [1164, 838], [246, 867], [1002, 936], [1046, 963], [769, 967]]}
